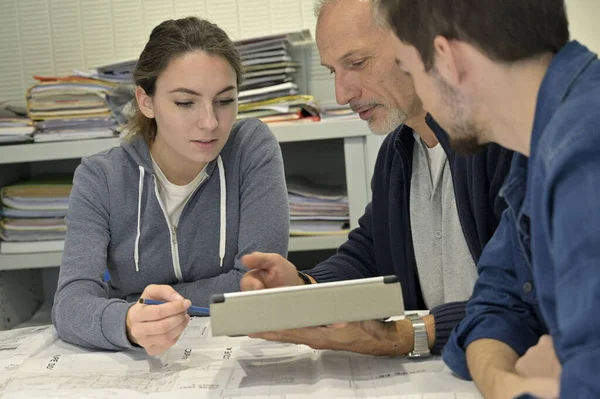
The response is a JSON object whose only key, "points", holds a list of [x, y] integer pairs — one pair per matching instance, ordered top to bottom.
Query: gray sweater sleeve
{"points": [[264, 212], [82, 312]]}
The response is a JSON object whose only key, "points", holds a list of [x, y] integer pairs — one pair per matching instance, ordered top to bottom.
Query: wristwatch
{"points": [[304, 278], [421, 348]]}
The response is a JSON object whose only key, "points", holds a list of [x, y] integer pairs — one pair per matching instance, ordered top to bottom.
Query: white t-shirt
{"points": [[437, 158], [174, 197]]}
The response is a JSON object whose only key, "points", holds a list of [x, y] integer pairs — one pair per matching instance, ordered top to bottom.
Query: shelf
{"points": [[308, 131], [285, 133], [54, 151], [316, 243], [53, 259], [30, 261]]}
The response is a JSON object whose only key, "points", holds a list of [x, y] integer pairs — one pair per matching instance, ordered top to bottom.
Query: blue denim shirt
{"points": [[540, 273]]}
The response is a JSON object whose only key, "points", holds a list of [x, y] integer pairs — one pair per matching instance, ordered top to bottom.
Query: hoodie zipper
{"points": [[173, 229], [172, 234], [175, 247]]}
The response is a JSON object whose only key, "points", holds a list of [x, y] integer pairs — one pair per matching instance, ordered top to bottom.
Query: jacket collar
{"points": [[440, 133], [441, 136], [405, 140]]}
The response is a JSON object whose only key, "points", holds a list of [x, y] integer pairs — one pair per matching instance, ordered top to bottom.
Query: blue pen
{"points": [[191, 309]]}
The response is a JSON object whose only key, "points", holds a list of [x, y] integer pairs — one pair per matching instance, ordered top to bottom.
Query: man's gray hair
{"points": [[378, 20]]}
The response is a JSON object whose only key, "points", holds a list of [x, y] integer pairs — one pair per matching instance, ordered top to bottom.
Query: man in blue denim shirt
{"points": [[505, 72]]}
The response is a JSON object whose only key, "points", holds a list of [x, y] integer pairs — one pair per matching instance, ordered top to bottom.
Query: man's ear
{"points": [[447, 60], [144, 102]]}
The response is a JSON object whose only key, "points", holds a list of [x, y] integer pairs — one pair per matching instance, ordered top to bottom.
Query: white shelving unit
{"points": [[285, 133], [360, 149], [331, 152], [52, 259], [24, 277]]}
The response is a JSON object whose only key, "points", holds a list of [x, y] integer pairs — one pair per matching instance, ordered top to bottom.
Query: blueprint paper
{"points": [[38, 365]]}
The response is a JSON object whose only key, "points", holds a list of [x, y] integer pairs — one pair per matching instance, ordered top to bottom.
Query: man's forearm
{"points": [[401, 339], [394, 341], [492, 366]]}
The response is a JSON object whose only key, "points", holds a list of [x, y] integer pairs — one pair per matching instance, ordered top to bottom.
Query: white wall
{"points": [[584, 17], [53, 37]]}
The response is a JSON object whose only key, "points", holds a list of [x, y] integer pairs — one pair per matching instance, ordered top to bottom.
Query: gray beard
{"points": [[393, 119]]}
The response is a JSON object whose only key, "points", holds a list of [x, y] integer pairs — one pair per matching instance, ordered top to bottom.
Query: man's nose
{"points": [[345, 89]]}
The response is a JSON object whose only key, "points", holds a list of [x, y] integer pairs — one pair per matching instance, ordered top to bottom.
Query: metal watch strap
{"points": [[421, 348]]}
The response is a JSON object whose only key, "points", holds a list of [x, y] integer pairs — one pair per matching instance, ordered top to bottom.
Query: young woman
{"points": [[173, 209]]}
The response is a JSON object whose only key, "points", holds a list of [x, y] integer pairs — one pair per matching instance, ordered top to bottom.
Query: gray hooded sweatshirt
{"points": [[116, 221]]}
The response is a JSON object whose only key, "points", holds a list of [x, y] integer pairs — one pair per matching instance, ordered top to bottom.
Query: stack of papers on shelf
{"points": [[121, 72], [269, 91], [121, 100], [71, 108], [281, 109], [329, 110], [16, 129], [75, 129], [317, 209], [33, 215]]}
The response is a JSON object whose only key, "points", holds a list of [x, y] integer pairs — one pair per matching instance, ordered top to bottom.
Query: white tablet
{"points": [[243, 313]]}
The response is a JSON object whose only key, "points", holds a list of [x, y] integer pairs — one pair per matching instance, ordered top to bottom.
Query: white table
{"points": [[34, 363]]}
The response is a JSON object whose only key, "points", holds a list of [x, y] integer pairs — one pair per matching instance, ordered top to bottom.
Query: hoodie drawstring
{"points": [[223, 235], [136, 254]]}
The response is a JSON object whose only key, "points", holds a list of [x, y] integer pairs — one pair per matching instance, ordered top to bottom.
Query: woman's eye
{"points": [[358, 63], [226, 102], [184, 104]]}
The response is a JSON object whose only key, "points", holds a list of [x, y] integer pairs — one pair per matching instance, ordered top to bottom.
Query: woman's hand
{"points": [[158, 327]]}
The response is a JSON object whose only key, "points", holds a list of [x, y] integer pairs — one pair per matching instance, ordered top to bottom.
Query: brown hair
{"points": [[505, 30], [169, 40]]}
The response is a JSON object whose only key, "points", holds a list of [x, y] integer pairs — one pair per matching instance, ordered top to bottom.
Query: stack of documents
{"points": [[119, 72], [269, 91], [121, 100], [70, 108], [330, 110], [75, 129], [16, 130], [317, 209], [33, 215]]}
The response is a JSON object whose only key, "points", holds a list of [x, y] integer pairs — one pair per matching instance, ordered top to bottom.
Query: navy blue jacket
{"points": [[382, 244], [541, 272]]}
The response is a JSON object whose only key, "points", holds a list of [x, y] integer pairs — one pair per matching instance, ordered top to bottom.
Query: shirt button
{"points": [[438, 234], [527, 287]]}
